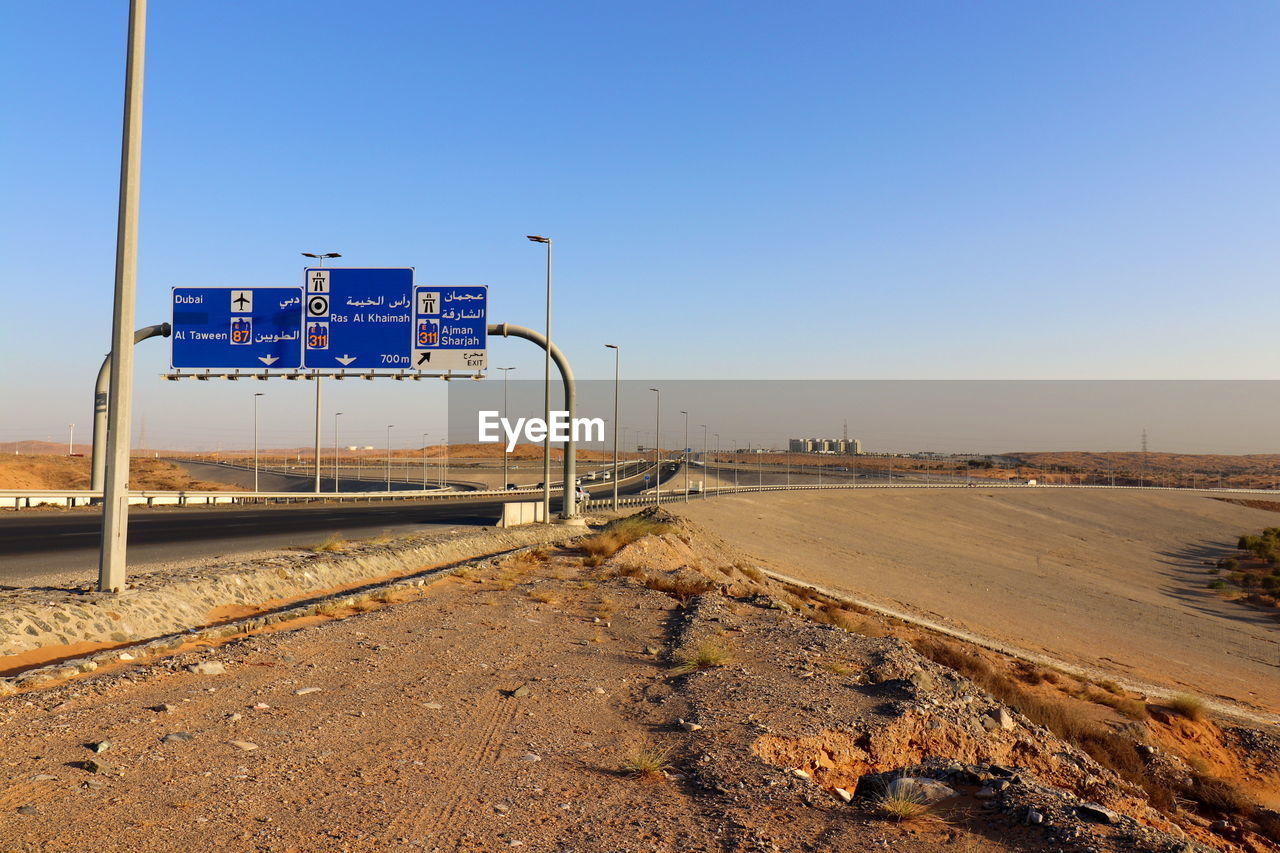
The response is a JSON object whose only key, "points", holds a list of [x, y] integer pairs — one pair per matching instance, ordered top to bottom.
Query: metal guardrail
{"points": [[677, 496], [26, 498]]}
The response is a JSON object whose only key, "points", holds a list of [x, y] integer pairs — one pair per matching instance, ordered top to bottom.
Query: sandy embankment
{"points": [[1113, 579]]}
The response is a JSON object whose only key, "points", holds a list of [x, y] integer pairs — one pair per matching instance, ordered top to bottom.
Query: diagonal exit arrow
{"points": [[424, 356], [344, 359]]}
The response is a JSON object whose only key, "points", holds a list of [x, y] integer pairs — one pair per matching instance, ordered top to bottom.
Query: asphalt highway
{"points": [[57, 547]]}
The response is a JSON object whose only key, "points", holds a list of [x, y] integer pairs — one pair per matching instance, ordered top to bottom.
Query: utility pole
{"points": [[71, 439]]}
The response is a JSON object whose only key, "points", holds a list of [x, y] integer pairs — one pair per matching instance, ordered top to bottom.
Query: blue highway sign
{"points": [[358, 319], [237, 327], [450, 327]]}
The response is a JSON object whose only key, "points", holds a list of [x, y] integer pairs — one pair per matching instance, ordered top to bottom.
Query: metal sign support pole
{"points": [[335, 488], [115, 510]]}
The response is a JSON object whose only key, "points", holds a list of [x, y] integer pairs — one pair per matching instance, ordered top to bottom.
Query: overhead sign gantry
{"points": [[342, 322]]}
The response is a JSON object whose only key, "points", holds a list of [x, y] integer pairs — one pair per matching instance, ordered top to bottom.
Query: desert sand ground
{"points": [[1113, 579], [498, 709]]}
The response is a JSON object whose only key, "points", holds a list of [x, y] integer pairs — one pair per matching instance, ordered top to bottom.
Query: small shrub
{"points": [[618, 534], [752, 573], [708, 655], [1186, 705], [647, 761]]}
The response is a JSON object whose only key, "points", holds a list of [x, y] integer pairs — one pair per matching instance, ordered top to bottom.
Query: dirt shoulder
{"points": [[1098, 578]]}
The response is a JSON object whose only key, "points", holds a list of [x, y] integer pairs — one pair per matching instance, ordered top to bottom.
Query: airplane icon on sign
{"points": [[241, 300]]}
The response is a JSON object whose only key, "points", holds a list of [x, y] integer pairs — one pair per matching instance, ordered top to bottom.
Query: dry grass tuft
{"points": [[381, 539], [333, 542], [683, 585], [391, 595], [330, 609], [851, 621], [708, 655], [837, 668], [1191, 707], [1062, 717], [647, 761], [1220, 794], [901, 802]]}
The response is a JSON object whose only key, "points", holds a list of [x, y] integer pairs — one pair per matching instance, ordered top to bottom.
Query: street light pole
{"points": [[617, 357], [505, 371], [546, 404], [389, 426], [71, 439], [255, 441], [685, 453], [424, 460], [657, 460], [704, 460], [717, 460], [336, 487], [115, 497]]}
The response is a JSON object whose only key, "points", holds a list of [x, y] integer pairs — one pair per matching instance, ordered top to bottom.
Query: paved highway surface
{"points": [[57, 547]]}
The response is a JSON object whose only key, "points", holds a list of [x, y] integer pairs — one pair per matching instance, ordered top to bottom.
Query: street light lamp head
{"points": [[535, 238], [321, 255], [611, 346], [655, 390], [259, 394]]}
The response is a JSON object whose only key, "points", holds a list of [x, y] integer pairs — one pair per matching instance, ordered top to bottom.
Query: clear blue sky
{"points": [[736, 189]]}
